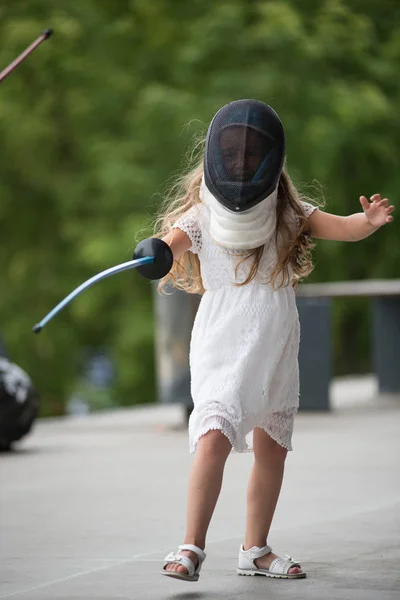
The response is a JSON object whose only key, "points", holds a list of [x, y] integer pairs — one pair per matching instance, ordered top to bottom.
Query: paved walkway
{"points": [[89, 507]]}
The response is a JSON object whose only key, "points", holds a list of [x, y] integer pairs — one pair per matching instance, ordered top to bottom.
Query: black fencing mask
{"points": [[244, 154], [243, 161]]}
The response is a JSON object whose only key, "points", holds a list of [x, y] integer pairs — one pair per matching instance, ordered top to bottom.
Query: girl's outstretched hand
{"points": [[377, 211]]}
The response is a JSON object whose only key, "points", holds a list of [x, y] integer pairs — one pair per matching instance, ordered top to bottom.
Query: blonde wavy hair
{"points": [[294, 261]]}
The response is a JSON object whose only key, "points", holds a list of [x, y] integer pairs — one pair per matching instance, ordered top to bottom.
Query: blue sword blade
{"points": [[132, 264]]}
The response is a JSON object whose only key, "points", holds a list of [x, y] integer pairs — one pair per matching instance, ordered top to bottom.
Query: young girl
{"points": [[239, 234]]}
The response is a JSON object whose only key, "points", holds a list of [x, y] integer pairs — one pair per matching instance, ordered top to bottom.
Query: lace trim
{"points": [[308, 208], [189, 223], [217, 423], [279, 426], [274, 436], [193, 444]]}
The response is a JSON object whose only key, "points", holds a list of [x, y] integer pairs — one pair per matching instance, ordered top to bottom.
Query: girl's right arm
{"points": [[178, 241], [163, 251]]}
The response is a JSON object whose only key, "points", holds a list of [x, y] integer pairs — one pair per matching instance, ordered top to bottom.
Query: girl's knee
{"points": [[214, 442], [267, 449], [278, 451]]}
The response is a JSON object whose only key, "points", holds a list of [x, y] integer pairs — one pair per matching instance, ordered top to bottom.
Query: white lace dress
{"points": [[244, 345]]}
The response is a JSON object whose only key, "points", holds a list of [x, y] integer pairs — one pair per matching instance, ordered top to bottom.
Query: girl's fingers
{"points": [[377, 201], [383, 202]]}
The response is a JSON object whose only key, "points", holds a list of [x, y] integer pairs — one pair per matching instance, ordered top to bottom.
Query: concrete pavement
{"points": [[90, 506]]}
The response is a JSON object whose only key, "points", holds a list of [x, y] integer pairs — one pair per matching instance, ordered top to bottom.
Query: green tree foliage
{"points": [[95, 122]]}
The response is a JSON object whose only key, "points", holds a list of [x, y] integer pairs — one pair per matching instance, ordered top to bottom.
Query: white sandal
{"points": [[278, 568], [193, 572]]}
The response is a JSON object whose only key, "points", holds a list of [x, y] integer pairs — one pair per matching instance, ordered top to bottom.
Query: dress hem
{"points": [[237, 448]]}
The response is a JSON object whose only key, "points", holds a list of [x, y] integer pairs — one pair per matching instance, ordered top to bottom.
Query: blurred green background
{"points": [[98, 119]]}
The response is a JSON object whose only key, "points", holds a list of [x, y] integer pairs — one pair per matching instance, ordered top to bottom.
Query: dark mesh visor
{"points": [[244, 154]]}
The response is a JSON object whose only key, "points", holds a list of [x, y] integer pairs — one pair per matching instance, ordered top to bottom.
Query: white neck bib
{"points": [[241, 231]]}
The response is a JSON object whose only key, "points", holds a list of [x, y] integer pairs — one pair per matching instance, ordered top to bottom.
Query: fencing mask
{"points": [[244, 154]]}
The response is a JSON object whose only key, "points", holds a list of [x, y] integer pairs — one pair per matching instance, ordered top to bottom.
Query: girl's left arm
{"points": [[353, 228]]}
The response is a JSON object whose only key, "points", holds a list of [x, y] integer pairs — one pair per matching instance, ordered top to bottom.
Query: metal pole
{"points": [[174, 316], [386, 342], [315, 356]]}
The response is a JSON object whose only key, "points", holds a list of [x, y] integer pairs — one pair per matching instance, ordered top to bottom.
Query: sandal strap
{"points": [[198, 551], [256, 552], [181, 560], [185, 561], [281, 566]]}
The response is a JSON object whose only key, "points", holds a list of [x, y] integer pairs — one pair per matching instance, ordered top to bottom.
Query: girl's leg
{"points": [[204, 487], [263, 492]]}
